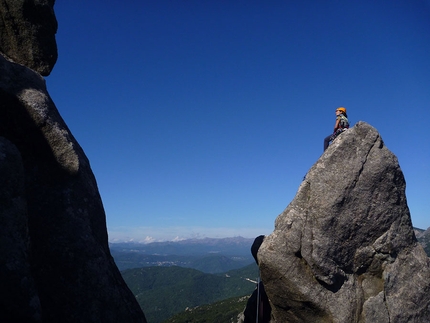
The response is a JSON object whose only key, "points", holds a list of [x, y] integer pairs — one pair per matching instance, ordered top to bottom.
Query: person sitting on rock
{"points": [[340, 126]]}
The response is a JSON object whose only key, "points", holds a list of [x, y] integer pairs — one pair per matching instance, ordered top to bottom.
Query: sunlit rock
{"points": [[344, 249]]}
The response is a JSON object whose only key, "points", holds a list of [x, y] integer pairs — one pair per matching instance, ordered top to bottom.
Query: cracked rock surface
{"points": [[344, 249]]}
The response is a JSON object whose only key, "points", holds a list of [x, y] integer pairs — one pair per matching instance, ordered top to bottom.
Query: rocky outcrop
{"points": [[27, 33], [344, 249], [55, 263]]}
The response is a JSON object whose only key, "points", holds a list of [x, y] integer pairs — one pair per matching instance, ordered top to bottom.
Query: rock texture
{"points": [[27, 33], [344, 249], [55, 263]]}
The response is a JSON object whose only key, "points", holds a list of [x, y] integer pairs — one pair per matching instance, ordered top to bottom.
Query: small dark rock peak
{"points": [[27, 33], [345, 244]]}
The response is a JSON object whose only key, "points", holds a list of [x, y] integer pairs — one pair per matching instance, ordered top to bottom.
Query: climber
{"points": [[340, 126]]}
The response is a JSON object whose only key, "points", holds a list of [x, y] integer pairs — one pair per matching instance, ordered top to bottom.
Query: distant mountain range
{"points": [[226, 246], [207, 255]]}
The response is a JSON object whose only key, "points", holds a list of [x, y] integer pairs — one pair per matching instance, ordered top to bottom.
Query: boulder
{"points": [[27, 33], [344, 249]]}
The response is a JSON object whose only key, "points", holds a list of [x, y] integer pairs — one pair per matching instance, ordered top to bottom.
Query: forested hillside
{"points": [[165, 291], [225, 311]]}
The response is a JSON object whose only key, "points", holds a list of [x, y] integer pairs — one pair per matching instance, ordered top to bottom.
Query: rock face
{"points": [[27, 33], [344, 249], [55, 263]]}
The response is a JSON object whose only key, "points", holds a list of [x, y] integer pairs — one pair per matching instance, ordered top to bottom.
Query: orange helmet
{"points": [[341, 109]]}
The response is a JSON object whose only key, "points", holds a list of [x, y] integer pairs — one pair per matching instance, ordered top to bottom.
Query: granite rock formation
{"points": [[27, 33], [344, 249], [55, 262]]}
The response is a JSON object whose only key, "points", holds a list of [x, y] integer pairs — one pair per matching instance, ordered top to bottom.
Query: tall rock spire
{"points": [[344, 249]]}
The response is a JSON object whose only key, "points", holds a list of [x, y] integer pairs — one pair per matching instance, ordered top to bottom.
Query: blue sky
{"points": [[200, 118]]}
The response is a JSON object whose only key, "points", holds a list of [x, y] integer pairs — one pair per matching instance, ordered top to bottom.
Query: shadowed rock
{"points": [[27, 33], [344, 250], [55, 263], [74, 274], [18, 298]]}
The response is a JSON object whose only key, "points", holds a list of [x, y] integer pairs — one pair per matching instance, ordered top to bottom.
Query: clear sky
{"points": [[200, 118]]}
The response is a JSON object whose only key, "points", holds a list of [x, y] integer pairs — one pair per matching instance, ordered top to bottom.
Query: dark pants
{"points": [[332, 137], [327, 140]]}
